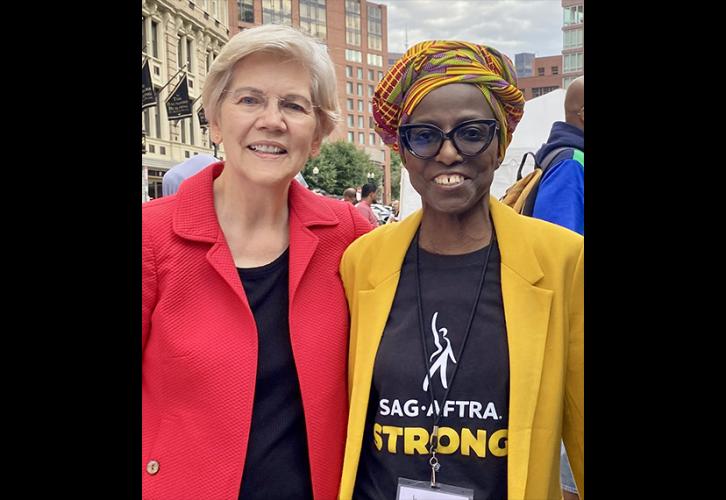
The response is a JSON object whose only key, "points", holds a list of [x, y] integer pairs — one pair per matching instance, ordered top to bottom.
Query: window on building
{"points": [[246, 10], [277, 12], [574, 15], [312, 18], [352, 22], [375, 28], [143, 34], [572, 38], [155, 39], [180, 51], [190, 53], [353, 55], [375, 60], [573, 62], [555, 70], [349, 71], [540, 71], [359, 72], [371, 74], [380, 76], [349, 87], [359, 88], [371, 90], [539, 91], [350, 104], [360, 105], [370, 106], [155, 116], [351, 120], [360, 121], [147, 122], [370, 122], [183, 127], [351, 137], [361, 138], [372, 138], [162, 150], [154, 187]]}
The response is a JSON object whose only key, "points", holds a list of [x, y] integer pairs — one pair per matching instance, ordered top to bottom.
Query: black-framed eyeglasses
{"points": [[470, 138]]}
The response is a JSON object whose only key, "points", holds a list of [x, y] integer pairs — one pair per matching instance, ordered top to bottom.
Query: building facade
{"points": [[355, 34], [177, 36], [573, 41], [393, 57], [524, 64], [546, 76]]}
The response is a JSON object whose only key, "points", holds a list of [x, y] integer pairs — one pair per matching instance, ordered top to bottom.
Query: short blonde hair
{"points": [[289, 43]]}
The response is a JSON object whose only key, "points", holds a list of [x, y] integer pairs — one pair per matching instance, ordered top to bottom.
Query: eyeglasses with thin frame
{"points": [[252, 101], [470, 138]]}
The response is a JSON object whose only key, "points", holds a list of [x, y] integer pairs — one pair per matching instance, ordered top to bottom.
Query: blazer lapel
{"points": [[305, 212], [195, 219], [374, 305], [526, 311]]}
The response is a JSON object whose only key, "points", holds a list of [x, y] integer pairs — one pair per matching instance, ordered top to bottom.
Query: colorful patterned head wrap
{"points": [[431, 64]]}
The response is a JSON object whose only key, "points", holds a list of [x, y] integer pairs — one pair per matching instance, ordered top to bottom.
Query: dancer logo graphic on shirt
{"points": [[443, 353]]}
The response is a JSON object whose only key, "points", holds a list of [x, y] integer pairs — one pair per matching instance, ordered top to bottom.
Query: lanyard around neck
{"points": [[434, 441]]}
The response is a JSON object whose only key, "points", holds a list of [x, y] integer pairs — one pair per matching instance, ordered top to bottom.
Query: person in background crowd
{"points": [[178, 173], [561, 193], [368, 195], [349, 196], [561, 197], [395, 207], [244, 317]]}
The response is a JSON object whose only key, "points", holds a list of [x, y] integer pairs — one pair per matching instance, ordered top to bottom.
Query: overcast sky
{"points": [[511, 26]]}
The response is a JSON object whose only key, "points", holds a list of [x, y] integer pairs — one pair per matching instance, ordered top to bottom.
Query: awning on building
{"points": [[156, 163]]}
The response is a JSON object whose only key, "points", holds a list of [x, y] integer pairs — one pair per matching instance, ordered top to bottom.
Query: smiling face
{"points": [[267, 143], [450, 183]]}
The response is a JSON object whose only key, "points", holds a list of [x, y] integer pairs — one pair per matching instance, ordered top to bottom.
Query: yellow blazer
{"points": [[542, 291]]}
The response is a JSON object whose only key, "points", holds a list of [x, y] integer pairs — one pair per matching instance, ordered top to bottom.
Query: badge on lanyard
{"points": [[408, 489]]}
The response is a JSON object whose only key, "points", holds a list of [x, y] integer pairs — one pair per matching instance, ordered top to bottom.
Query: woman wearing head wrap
{"points": [[466, 348]]}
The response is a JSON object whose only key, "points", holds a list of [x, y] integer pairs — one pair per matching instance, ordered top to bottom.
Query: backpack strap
{"points": [[547, 160], [521, 165], [528, 208]]}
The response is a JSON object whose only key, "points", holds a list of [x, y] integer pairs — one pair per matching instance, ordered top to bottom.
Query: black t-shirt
{"points": [[473, 427], [277, 465]]}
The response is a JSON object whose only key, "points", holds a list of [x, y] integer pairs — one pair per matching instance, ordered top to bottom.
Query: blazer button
{"points": [[152, 467]]}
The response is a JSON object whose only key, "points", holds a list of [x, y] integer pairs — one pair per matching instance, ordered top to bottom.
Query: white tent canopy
{"points": [[531, 132]]}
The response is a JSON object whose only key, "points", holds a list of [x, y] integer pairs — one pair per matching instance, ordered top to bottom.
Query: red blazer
{"points": [[199, 342]]}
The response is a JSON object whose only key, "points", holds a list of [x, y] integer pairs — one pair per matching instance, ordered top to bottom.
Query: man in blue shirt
{"points": [[178, 173], [561, 195]]}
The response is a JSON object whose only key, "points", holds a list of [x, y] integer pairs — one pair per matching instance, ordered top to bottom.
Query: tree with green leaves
{"points": [[339, 165], [395, 176]]}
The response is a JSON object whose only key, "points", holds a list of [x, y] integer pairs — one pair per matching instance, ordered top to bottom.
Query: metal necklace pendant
{"points": [[435, 466]]}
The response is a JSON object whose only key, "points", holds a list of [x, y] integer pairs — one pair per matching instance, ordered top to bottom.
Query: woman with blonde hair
{"points": [[244, 318]]}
